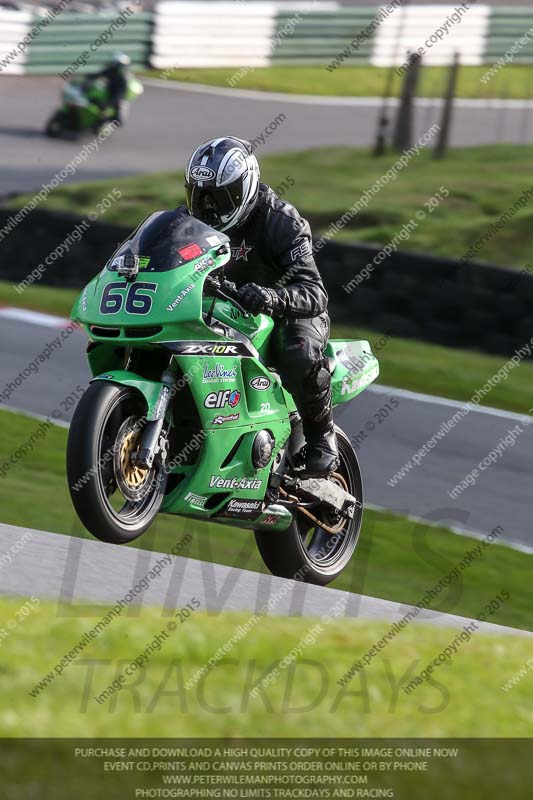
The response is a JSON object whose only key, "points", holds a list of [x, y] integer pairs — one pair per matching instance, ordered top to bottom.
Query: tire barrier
{"points": [[14, 28], [510, 31], [435, 32], [257, 33], [212, 34], [261, 34], [318, 35], [85, 42], [411, 295]]}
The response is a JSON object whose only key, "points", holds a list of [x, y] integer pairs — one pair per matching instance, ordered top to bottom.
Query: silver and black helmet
{"points": [[222, 182]]}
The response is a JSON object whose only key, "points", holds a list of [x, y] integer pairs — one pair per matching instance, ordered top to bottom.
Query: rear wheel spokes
{"points": [[324, 546]]}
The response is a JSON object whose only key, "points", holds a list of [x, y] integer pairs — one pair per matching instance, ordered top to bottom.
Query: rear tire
{"points": [[115, 501], [308, 553]]}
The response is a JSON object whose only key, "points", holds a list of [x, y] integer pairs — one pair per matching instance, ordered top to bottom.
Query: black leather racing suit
{"points": [[116, 77], [273, 248]]}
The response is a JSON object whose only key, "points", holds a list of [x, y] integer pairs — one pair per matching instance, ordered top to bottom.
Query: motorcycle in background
{"points": [[85, 107]]}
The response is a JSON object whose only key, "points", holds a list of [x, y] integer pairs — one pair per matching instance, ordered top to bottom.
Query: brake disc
{"points": [[133, 482]]}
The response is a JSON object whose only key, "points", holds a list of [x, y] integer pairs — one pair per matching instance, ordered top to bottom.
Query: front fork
{"points": [[154, 440]]}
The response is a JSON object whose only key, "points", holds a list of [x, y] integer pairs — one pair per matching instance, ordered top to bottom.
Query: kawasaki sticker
{"points": [[242, 509]]}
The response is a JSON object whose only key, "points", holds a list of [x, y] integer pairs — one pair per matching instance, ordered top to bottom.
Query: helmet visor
{"points": [[214, 205]]}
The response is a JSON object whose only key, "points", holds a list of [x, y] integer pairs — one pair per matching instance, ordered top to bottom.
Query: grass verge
{"points": [[512, 81], [483, 182], [52, 299], [396, 559], [462, 698]]}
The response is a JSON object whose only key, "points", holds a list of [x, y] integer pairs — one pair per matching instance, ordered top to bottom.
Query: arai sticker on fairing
{"points": [[260, 383]]}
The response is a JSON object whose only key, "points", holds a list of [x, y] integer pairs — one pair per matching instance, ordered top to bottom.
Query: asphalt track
{"points": [[167, 122], [165, 125], [500, 497], [64, 568]]}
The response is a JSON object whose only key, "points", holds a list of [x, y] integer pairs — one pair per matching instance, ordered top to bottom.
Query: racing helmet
{"points": [[120, 58], [222, 182]]}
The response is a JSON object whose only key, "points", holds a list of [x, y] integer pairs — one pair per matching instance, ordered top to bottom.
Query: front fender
{"points": [[150, 390]]}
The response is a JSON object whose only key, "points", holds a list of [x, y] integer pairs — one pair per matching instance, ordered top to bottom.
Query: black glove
{"points": [[211, 284], [260, 300]]}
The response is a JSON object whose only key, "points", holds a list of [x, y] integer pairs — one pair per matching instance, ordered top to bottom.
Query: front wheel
{"points": [[57, 125], [115, 500], [308, 552]]}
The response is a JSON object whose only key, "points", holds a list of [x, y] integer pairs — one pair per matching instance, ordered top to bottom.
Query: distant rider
{"points": [[117, 76], [272, 244]]}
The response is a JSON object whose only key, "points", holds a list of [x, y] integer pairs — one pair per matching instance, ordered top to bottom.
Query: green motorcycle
{"points": [[85, 107], [186, 414]]}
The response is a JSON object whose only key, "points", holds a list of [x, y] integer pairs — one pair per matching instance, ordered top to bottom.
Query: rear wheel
{"points": [[116, 500], [307, 551]]}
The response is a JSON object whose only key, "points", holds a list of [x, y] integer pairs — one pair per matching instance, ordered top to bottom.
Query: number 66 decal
{"points": [[137, 302]]}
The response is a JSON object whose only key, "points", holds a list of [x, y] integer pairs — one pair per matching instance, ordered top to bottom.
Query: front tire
{"points": [[57, 125], [115, 500], [307, 552]]}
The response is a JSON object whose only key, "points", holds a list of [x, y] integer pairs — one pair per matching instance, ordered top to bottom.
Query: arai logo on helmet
{"points": [[202, 173]]}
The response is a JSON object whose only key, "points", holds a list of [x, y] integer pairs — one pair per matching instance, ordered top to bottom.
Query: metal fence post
{"points": [[403, 133], [444, 133]]}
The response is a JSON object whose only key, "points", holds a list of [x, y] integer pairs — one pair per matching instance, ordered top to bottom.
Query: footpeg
{"points": [[330, 493]]}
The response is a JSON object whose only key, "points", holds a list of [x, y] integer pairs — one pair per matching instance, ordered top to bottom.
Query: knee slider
{"points": [[297, 363]]}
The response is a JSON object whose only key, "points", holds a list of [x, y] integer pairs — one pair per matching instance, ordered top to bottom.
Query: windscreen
{"points": [[167, 240]]}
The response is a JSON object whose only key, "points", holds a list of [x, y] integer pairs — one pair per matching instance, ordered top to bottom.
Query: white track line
{"points": [[319, 100], [33, 317], [444, 401], [32, 415]]}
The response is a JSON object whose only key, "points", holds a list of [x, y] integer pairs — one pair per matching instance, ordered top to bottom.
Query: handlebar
{"points": [[227, 290]]}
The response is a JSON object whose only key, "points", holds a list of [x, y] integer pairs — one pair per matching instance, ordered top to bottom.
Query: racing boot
{"points": [[321, 449]]}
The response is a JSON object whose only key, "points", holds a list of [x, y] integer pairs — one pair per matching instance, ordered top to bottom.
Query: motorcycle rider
{"points": [[117, 76], [274, 268]]}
